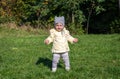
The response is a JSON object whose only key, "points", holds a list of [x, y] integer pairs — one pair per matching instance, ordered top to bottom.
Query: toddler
{"points": [[60, 37]]}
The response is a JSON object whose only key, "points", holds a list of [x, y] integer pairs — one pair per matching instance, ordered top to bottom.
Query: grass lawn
{"points": [[27, 57]]}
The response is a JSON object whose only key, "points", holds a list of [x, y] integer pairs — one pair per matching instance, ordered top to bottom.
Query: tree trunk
{"points": [[119, 7], [73, 18], [88, 20], [38, 22]]}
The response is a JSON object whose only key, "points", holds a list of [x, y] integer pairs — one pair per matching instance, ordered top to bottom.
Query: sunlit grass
{"points": [[27, 57]]}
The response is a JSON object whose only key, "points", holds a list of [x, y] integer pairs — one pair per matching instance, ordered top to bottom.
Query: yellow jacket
{"points": [[60, 40]]}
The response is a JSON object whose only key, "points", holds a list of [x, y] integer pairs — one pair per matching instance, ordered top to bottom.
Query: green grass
{"points": [[27, 57]]}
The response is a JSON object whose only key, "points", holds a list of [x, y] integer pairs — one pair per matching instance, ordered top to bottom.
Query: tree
{"points": [[93, 6], [119, 7], [90, 13]]}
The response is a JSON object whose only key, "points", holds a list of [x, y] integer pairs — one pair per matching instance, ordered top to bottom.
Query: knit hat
{"points": [[59, 20]]}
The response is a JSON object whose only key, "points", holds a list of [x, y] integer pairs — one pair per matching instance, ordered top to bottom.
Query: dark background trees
{"points": [[88, 16]]}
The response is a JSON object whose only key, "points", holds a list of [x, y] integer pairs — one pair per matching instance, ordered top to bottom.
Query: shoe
{"points": [[67, 68], [54, 69]]}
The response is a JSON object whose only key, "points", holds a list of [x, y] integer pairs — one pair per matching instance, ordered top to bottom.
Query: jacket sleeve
{"points": [[51, 36], [69, 37]]}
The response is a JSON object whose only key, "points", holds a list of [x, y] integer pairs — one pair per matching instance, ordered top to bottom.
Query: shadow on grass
{"points": [[46, 62]]}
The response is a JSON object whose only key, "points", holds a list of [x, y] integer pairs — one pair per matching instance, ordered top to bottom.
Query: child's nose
{"points": [[59, 26]]}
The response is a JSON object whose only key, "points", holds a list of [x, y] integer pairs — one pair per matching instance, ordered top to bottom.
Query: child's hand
{"points": [[75, 40], [46, 42]]}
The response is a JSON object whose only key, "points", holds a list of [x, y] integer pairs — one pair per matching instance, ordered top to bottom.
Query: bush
{"points": [[6, 19], [115, 26], [76, 29]]}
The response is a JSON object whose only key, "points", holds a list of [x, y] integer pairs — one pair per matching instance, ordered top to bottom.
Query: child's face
{"points": [[59, 27]]}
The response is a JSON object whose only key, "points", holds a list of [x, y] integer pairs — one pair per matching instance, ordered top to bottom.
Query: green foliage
{"points": [[99, 9], [39, 12], [75, 13], [79, 16], [6, 19], [115, 26], [76, 29]]}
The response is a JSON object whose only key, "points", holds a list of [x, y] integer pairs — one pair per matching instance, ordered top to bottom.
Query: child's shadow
{"points": [[46, 62]]}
